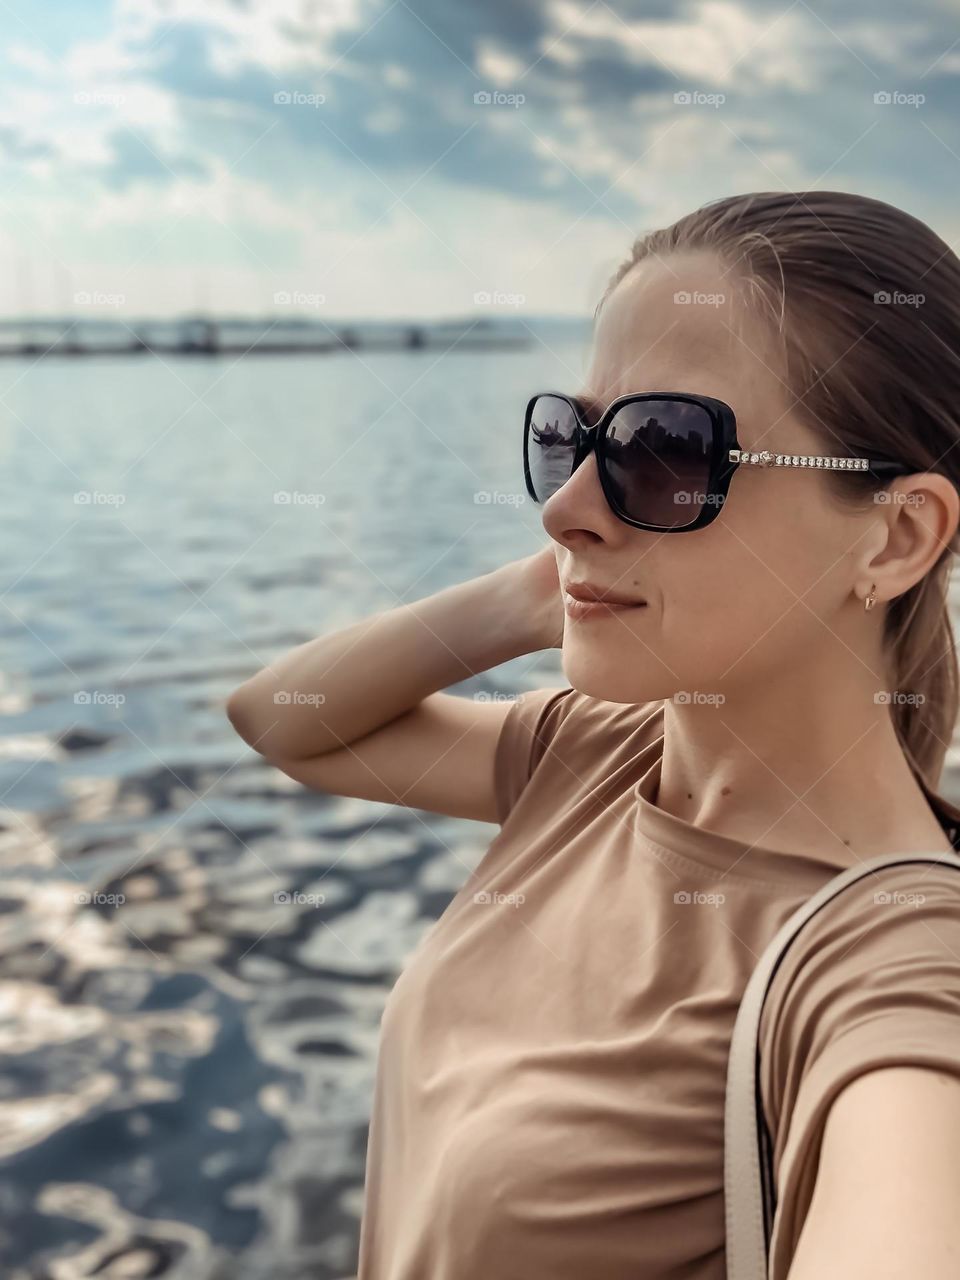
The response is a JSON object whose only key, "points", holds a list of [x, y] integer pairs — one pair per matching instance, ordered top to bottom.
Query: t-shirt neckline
{"points": [[716, 853]]}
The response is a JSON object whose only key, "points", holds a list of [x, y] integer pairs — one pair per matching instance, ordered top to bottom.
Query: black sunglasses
{"points": [[665, 458]]}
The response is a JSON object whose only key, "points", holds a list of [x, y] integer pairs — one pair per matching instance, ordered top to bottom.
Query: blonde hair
{"points": [[864, 300]]}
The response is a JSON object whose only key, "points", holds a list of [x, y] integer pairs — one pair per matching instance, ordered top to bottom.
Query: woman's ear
{"points": [[922, 514]]}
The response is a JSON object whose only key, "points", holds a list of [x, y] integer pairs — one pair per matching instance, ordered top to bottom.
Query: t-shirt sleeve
{"points": [[525, 734], [872, 980]]}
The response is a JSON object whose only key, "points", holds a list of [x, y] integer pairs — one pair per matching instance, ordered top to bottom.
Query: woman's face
{"points": [[770, 581]]}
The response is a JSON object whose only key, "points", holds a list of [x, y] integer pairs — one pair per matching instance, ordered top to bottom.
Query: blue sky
{"points": [[162, 155]]}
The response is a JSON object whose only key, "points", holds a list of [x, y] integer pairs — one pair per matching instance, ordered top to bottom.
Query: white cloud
{"points": [[280, 35], [719, 43], [30, 58], [498, 65], [397, 77], [387, 119], [163, 247]]}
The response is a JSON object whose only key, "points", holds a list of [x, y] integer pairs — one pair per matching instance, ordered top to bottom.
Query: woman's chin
{"points": [[611, 676]]}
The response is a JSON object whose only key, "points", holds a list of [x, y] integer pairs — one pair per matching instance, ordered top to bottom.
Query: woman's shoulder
{"points": [[564, 702], [563, 716], [566, 727], [883, 939], [874, 964], [872, 980]]}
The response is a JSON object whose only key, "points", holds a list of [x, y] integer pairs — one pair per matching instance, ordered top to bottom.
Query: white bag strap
{"points": [[749, 1193]]}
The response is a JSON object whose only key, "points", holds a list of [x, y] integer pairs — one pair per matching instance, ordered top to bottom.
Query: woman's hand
{"points": [[538, 582]]}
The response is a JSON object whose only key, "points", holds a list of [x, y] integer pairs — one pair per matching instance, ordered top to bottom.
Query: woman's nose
{"points": [[579, 509]]}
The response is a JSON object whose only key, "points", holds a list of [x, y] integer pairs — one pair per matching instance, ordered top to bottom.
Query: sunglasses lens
{"points": [[550, 445], [658, 455]]}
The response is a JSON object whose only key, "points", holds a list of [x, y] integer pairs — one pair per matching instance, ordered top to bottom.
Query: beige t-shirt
{"points": [[550, 1087]]}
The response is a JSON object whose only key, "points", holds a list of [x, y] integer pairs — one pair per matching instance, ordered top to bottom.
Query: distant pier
{"points": [[204, 336]]}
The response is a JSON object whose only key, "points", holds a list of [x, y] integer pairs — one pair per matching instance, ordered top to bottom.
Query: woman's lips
{"points": [[574, 608]]}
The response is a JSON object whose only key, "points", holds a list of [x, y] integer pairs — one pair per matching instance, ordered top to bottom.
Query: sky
{"points": [[435, 158]]}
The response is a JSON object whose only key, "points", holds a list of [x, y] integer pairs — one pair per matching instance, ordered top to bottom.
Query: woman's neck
{"points": [[797, 775]]}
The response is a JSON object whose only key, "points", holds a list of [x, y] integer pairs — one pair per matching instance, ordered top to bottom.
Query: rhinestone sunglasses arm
{"points": [[768, 459]]}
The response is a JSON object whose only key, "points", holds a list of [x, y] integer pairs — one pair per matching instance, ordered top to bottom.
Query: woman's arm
{"points": [[359, 712], [886, 1202]]}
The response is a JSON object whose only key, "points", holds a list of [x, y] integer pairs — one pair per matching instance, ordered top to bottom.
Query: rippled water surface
{"points": [[187, 1031], [187, 1045]]}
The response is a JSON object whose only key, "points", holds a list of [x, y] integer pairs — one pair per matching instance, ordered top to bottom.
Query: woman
{"points": [[752, 707]]}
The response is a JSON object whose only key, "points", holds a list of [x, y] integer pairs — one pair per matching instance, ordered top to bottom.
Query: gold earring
{"points": [[871, 599]]}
